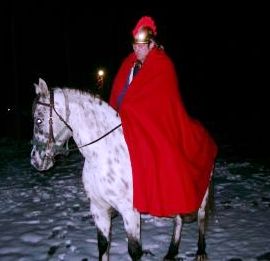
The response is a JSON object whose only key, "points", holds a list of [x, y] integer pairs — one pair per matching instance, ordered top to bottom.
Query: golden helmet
{"points": [[143, 36]]}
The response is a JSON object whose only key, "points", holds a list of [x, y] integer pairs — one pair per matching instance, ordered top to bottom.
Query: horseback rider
{"points": [[172, 154]]}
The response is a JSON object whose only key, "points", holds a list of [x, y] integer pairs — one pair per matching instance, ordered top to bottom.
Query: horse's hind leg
{"points": [[203, 213], [102, 219], [132, 223], [175, 241], [201, 253]]}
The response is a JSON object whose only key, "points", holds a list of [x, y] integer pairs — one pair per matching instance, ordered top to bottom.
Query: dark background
{"points": [[219, 52]]}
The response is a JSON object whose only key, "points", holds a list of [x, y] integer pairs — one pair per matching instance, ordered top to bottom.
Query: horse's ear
{"points": [[41, 87]]}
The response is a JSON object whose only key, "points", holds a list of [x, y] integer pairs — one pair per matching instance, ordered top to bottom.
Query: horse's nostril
{"points": [[33, 153]]}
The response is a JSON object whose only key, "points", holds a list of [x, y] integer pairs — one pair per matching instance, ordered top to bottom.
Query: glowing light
{"points": [[101, 73], [100, 78]]}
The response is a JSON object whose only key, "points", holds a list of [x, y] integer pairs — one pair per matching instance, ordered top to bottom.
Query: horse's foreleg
{"points": [[102, 219], [132, 223], [175, 241], [103, 246]]}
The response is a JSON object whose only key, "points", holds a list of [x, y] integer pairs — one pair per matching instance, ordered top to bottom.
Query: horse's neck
{"points": [[90, 118]]}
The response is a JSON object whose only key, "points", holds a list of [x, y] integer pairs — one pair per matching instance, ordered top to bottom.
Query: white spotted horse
{"points": [[62, 113]]}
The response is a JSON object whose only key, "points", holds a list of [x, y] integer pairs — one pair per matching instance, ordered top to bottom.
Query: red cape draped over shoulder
{"points": [[172, 155]]}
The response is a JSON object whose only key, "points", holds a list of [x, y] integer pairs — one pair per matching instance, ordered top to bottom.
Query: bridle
{"points": [[52, 108], [52, 140]]}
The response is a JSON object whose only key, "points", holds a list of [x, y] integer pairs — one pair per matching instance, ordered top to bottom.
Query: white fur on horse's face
{"points": [[41, 136], [43, 152]]}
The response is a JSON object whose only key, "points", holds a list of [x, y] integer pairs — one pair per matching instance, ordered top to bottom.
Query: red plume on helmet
{"points": [[145, 21]]}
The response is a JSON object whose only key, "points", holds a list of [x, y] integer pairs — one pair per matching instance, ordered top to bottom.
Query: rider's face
{"points": [[141, 50]]}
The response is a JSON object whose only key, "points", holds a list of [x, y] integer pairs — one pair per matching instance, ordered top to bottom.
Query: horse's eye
{"points": [[38, 121]]}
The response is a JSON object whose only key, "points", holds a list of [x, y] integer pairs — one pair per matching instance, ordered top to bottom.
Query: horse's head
{"points": [[51, 130]]}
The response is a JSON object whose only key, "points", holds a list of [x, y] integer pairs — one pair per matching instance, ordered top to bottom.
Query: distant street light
{"points": [[100, 79]]}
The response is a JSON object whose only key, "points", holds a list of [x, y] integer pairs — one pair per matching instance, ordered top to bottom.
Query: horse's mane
{"points": [[77, 90], [80, 91], [83, 93], [86, 93]]}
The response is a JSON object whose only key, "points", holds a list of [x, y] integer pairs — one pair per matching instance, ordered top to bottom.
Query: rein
{"points": [[51, 135], [96, 140]]}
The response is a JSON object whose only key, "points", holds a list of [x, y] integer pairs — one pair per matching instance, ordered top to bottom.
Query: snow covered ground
{"points": [[46, 217]]}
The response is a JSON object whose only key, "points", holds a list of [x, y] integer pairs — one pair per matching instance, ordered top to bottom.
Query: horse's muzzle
{"points": [[41, 163]]}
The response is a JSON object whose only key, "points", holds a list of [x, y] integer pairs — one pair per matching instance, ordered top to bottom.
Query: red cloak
{"points": [[172, 155]]}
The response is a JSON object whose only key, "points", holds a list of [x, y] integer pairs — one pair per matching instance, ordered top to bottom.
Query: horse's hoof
{"points": [[202, 257]]}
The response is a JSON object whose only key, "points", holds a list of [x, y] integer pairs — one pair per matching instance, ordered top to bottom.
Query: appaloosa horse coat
{"points": [[107, 178]]}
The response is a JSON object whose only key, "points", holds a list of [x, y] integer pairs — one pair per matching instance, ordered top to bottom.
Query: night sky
{"points": [[218, 50]]}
